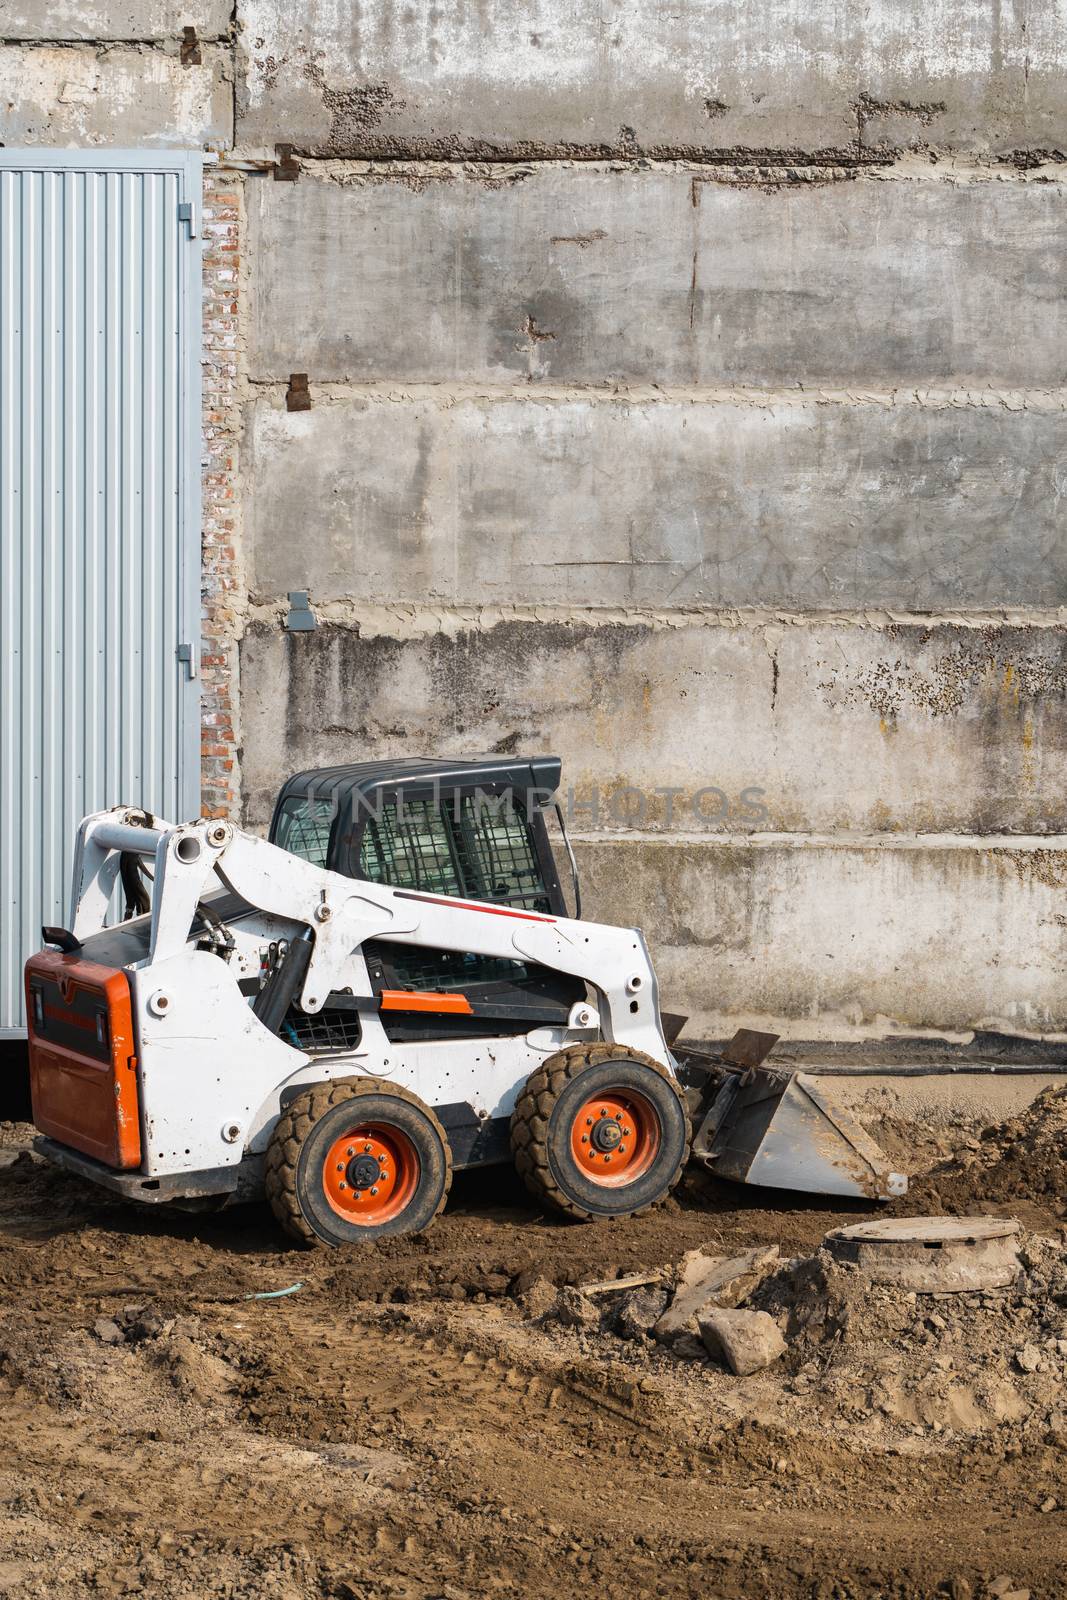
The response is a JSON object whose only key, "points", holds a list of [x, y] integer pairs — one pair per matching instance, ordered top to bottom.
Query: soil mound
{"points": [[1020, 1164]]}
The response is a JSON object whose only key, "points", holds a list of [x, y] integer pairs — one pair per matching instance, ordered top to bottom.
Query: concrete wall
{"points": [[92, 21], [545, 77], [125, 95], [662, 277], [688, 396], [721, 502], [842, 728], [848, 939]]}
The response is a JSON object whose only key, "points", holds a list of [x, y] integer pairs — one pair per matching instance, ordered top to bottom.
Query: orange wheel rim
{"points": [[615, 1138], [370, 1174]]}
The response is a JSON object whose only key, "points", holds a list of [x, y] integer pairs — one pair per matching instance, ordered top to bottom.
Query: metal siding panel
{"points": [[187, 462], [99, 512], [28, 533], [50, 557], [10, 583]]}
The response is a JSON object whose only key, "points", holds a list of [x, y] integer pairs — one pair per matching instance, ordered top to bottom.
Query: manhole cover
{"points": [[932, 1255]]}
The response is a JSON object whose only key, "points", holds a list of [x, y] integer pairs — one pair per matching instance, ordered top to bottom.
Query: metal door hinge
{"points": [[187, 213], [188, 660]]}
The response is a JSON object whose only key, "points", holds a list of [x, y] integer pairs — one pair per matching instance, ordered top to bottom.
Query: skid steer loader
{"points": [[386, 990]]}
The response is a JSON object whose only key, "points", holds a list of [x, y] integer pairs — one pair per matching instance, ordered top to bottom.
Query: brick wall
{"points": [[222, 585]]}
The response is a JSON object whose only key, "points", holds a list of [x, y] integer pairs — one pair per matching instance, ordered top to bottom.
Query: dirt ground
{"points": [[411, 1423]]}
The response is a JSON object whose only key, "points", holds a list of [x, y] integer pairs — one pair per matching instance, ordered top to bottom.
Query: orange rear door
{"points": [[83, 1070]]}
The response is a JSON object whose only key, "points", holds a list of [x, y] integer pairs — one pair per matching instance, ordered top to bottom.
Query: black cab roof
{"points": [[364, 779]]}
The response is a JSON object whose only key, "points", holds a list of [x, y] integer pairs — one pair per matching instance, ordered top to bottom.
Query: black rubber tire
{"points": [[544, 1112], [306, 1129]]}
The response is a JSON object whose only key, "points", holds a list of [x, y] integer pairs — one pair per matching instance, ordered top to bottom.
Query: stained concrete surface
{"points": [[93, 20], [769, 75], [119, 95], [569, 275], [592, 502], [827, 727], [852, 925], [834, 939]]}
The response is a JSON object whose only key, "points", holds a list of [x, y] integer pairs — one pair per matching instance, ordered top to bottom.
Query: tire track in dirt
{"points": [[399, 1429]]}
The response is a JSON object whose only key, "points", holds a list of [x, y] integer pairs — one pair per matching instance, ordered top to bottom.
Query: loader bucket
{"points": [[784, 1131]]}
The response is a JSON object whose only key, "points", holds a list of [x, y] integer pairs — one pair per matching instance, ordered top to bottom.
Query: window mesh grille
{"points": [[304, 828], [494, 838], [479, 848], [411, 849], [328, 1029]]}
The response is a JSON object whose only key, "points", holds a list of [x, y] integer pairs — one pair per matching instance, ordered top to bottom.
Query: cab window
{"points": [[303, 827], [474, 846]]}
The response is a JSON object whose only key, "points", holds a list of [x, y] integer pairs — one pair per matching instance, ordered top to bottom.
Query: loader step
{"points": [[134, 1185]]}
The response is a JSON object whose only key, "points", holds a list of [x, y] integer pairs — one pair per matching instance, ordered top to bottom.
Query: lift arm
{"points": [[191, 860]]}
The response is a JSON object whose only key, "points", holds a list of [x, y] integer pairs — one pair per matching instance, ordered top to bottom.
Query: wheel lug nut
{"points": [[589, 1122], [585, 1138], [366, 1148], [351, 1150], [340, 1166], [342, 1186], [374, 1190]]}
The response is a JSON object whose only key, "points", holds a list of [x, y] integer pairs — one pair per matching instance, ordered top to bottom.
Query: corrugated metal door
{"points": [[99, 512]]}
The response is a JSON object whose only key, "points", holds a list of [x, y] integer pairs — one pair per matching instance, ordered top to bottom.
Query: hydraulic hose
{"points": [[283, 982]]}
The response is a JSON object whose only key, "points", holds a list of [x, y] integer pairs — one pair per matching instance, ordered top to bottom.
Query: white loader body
{"points": [[212, 1079]]}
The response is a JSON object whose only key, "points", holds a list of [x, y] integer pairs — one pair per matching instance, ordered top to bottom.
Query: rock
{"points": [[710, 1281], [537, 1297], [574, 1310], [639, 1311], [144, 1323], [108, 1331], [744, 1340], [1028, 1359], [1050, 1504], [1003, 1588]]}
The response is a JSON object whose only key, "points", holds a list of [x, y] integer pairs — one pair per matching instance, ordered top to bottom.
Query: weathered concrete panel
{"points": [[90, 20], [692, 77], [122, 95], [593, 276], [606, 503], [815, 729], [835, 940]]}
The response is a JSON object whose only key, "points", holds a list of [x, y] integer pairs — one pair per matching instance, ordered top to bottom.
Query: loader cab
{"points": [[473, 830]]}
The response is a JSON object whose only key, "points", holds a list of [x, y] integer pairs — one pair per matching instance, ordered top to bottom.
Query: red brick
{"points": [[221, 529]]}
